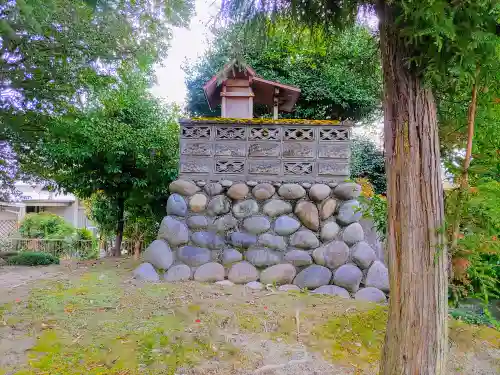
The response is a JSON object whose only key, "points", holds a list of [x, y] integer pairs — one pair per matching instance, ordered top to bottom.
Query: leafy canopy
{"points": [[436, 33], [53, 52], [338, 73], [125, 147]]}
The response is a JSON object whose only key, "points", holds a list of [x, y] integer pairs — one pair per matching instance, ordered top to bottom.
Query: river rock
{"points": [[201, 183], [226, 183], [252, 183], [306, 185], [183, 187], [213, 188], [347, 190], [238, 191], [263, 191], [291, 191], [318, 192], [198, 203], [176, 205], [219, 205], [277, 207], [327, 208], [245, 209], [349, 212], [308, 214], [197, 222], [224, 224], [256, 224], [286, 225], [173, 231], [329, 231], [353, 234], [207, 239], [304, 239], [244, 240], [271, 241], [158, 253], [332, 255], [363, 255], [194, 256], [230, 256], [262, 257], [298, 258], [146, 272], [179, 272], [209, 272], [242, 273], [278, 274], [348, 276], [378, 276], [313, 277], [224, 283], [254, 285], [289, 288], [332, 290], [370, 294]]}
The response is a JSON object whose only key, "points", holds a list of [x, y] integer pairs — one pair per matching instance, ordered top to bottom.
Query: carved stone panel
{"points": [[196, 132], [230, 132], [266, 133], [299, 134], [333, 134], [196, 149], [230, 149], [264, 149], [298, 150], [335, 150], [196, 165], [229, 166], [264, 167], [298, 168], [333, 168]]}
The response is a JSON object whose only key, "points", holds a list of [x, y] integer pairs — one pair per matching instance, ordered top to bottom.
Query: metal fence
{"points": [[63, 248]]}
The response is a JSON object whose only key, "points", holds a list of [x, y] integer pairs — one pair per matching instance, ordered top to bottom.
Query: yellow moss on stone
{"points": [[265, 121]]}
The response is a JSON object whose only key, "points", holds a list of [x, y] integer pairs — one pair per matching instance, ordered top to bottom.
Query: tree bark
{"points": [[119, 228], [137, 249], [416, 336]]}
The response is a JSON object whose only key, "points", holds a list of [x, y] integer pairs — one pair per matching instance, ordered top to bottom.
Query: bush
{"points": [[367, 161], [45, 225], [32, 259]]}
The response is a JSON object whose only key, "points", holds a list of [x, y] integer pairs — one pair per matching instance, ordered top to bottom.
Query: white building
{"points": [[35, 199]]}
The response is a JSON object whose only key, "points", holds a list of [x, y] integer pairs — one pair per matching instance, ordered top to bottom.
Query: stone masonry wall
{"points": [[292, 235]]}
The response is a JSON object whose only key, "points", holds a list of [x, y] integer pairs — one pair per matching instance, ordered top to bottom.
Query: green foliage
{"points": [[54, 52], [338, 73], [125, 149], [367, 161], [375, 208], [45, 225], [32, 259], [476, 260], [475, 318]]}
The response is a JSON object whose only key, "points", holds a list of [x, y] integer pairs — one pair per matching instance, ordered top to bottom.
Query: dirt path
{"points": [[247, 332]]}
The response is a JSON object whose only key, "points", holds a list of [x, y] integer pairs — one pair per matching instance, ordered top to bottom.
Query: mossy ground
{"points": [[101, 322]]}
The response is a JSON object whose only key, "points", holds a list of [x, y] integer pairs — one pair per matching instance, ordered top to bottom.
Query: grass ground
{"points": [[94, 319]]}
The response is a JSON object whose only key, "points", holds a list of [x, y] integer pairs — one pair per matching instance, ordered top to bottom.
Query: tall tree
{"points": [[419, 39], [53, 52], [339, 73], [126, 148]]}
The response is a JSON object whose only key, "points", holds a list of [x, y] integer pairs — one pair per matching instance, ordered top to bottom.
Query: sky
{"points": [[186, 44]]}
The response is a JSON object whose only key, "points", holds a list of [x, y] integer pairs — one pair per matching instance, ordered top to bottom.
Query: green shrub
{"points": [[367, 161], [45, 225], [32, 259]]}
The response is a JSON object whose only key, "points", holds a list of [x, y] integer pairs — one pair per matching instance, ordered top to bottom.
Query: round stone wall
{"points": [[291, 235]]}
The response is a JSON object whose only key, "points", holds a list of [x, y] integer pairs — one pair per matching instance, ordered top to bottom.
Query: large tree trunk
{"points": [[119, 228], [416, 337]]}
